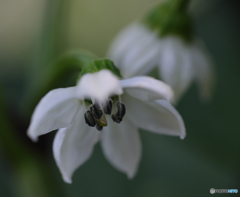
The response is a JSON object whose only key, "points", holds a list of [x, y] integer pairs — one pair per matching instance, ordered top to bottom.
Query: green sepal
{"points": [[171, 18], [108, 64], [97, 65]]}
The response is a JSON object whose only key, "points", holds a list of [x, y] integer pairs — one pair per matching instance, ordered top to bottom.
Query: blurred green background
{"points": [[33, 33]]}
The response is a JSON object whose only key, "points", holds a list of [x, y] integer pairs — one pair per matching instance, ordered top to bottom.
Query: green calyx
{"points": [[171, 18], [85, 62], [97, 65]]}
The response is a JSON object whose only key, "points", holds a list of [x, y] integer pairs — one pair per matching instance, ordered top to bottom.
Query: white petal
{"points": [[123, 41], [140, 52], [141, 56], [144, 62], [175, 65], [204, 70], [99, 85], [147, 88], [56, 110], [157, 116], [74, 145], [122, 146]]}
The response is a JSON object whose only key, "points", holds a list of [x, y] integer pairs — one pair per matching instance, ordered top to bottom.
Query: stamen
{"points": [[98, 105], [107, 106], [96, 111], [120, 113], [95, 116], [115, 118], [89, 119], [98, 127]]}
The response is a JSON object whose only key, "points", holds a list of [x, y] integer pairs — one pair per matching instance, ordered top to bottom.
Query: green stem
{"points": [[60, 27], [54, 34]]}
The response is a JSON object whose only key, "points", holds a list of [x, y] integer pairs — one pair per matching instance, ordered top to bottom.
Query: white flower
{"points": [[137, 50], [64, 109]]}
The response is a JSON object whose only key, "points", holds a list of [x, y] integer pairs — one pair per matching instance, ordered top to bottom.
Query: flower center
{"points": [[95, 115]]}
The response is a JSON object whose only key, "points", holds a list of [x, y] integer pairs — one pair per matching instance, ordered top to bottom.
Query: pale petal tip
{"points": [[183, 131], [183, 136], [33, 137], [131, 172], [130, 175], [67, 179]]}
